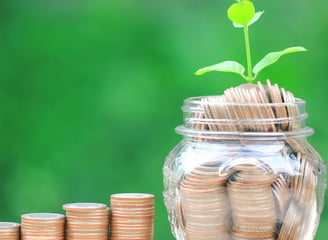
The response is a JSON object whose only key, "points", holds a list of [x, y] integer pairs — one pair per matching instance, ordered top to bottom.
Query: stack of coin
{"points": [[252, 203], [204, 204], [301, 210], [132, 216], [87, 221], [43, 226], [9, 231]]}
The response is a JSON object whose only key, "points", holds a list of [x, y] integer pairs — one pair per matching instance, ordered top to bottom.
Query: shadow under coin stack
{"points": [[205, 204], [132, 216], [87, 221], [42, 226], [9, 231]]}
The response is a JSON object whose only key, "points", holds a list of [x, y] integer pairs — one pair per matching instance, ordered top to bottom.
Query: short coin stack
{"points": [[205, 206], [132, 216], [87, 221], [42, 226], [9, 231]]}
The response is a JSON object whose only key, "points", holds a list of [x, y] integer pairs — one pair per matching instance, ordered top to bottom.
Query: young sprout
{"points": [[243, 15]]}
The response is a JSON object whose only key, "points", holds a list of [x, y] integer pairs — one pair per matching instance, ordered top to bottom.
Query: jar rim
{"points": [[190, 102], [230, 127], [194, 133]]}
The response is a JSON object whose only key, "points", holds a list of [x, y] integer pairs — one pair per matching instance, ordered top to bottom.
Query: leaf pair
{"points": [[243, 14], [235, 67]]}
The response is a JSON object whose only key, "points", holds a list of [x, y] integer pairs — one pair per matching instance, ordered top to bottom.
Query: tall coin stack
{"points": [[252, 202], [205, 204], [132, 216], [86, 221], [42, 226], [9, 231]]}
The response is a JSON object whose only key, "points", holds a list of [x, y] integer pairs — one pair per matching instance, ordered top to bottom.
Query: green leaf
{"points": [[242, 12], [256, 17], [273, 57], [226, 66]]}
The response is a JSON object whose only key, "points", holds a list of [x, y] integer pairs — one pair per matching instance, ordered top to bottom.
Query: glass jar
{"points": [[246, 178]]}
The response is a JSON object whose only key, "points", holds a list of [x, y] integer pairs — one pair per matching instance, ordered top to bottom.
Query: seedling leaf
{"points": [[241, 12], [256, 17], [273, 57], [226, 66]]}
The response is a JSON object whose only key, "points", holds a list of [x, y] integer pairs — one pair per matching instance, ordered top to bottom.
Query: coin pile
{"points": [[250, 108], [252, 203], [204, 204], [132, 216], [86, 221], [42, 226], [9, 231]]}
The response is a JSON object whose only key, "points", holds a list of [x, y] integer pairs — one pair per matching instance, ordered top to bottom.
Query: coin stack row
{"points": [[132, 218]]}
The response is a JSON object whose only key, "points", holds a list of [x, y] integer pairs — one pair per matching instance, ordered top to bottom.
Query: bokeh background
{"points": [[90, 91]]}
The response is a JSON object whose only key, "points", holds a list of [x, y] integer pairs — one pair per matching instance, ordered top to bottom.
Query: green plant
{"points": [[243, 15]]}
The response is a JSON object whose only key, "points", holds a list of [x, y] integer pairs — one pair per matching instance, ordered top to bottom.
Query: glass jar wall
{"points": [[244, 175]]}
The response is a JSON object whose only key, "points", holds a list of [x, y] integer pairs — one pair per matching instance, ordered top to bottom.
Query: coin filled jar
{"points": [[244, 169]]}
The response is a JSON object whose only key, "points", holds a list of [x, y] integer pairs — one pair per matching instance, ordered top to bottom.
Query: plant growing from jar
{"points": [[243, 15], [244, 169]]}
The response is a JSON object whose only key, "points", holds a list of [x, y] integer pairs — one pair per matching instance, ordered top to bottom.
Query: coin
{"points": [[252, 202], [204, 203], [132, 216], [86, 221], [42, 226], [9, 231]]}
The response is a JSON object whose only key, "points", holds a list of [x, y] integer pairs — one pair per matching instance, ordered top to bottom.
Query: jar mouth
{"points": [[194, 103], [214, 117]]}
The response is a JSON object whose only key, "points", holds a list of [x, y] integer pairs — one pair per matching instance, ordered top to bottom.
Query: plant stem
{"points": [[248, 55]]}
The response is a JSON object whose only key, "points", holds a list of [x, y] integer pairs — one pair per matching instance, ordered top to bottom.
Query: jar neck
{"points": [[214, 118]]}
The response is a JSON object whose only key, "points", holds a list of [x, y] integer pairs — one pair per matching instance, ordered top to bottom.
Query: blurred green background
{"points": [[91, 91]]}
